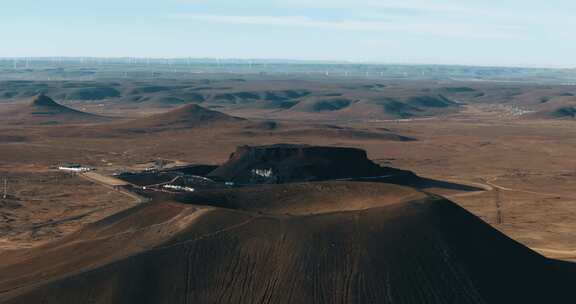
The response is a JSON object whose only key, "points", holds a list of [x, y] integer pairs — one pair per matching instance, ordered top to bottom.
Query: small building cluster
{"points": [[76, 168], [262, 172], [178, 188]]}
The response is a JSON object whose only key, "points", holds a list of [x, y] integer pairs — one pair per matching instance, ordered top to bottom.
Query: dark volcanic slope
{"points": [[43, 110], [187, 116], [409, 248]]}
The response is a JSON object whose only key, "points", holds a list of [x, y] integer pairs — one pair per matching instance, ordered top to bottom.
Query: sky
{"points": [[467, 32]]}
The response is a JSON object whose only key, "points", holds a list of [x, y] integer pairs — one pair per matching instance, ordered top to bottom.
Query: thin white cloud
{"points": [[428, 6], [468, 11], [528, 13], [465, 30]]}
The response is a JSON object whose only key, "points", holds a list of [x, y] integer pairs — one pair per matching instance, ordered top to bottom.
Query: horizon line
{"points": [[289, 61]]}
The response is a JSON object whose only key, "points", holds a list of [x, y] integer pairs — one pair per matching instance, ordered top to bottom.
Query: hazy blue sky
{"points": [[482, 32]]}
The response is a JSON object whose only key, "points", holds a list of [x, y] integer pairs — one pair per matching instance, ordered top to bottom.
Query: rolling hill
{"points": [[43, 110], [556, 112], [184, 117], [194, 117]]}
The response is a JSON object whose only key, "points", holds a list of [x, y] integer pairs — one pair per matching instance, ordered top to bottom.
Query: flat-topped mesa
{"points": [[283, 163]]}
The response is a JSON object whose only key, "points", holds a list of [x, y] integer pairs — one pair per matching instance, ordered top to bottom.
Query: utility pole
{"points": [[5, 189]]}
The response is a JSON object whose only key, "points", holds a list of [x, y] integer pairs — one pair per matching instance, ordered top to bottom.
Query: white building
{"points": [[74, 168], [262, 172], [178, 188]]}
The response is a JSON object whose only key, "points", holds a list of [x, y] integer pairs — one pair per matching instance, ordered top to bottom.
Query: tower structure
{"points": [[5, 192]]}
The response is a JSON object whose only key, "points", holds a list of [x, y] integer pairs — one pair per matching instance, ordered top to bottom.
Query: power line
{"points": [[498, 200]]}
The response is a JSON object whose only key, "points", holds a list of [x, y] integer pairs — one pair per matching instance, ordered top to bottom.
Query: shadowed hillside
{"points": [[349, 243]]}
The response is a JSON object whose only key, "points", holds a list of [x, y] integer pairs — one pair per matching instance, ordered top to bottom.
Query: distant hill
{"points": [[93, 93], [285, 99], [385, 107], [44, 110], [565, 111], [187, 116], [194, 117]]}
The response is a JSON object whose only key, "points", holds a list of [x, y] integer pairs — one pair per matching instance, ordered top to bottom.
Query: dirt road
{"points": [[112, 183]]}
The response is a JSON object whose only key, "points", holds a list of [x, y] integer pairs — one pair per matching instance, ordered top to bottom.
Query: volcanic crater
{"points": [[280, 236]]}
